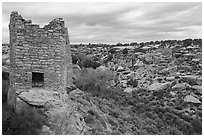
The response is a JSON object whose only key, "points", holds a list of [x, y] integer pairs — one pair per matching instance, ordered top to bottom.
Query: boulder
{"points": [[167, 52], [189, 55], [5, 56], [5, 59], [149, 60], [196, 60], [138, 64], [186, 67], [76, 68], [103, 68], [5, 69], [120, 69], [172, 69], [126, 72], [164, 72], [131, 74], [170, 78], [191, 79], [199, 81], [132, 82], [123, 83], [158, 86], [180, 86], [70, 88], [198, 88], [128, 90], [77, 93], [173, 93], [37, 96], [191, 99], [20, 105], [96, 120], [67, 121], [76, 124], [45, 130]]}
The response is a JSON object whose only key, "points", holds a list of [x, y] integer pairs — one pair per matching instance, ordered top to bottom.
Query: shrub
{"points": [[187, 42], [139, 50], [112, 51], [125, 51], [167, 52], [81, 56], [96, 58], [109, 58], [74, 59], [4, 62], [88, 62], [95, 64], [5, 75], [94, 81], [132, 82], [5, 87], [89, 119], [61, 121], [27, 122], [197, 125], [174, 131]]}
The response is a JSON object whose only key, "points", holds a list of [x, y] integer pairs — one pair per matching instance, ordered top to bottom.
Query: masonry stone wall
{"points": [[44, 50]]}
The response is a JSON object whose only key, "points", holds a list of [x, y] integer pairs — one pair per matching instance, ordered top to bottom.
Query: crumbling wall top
{"points": [[15, 14], [55, 24]]}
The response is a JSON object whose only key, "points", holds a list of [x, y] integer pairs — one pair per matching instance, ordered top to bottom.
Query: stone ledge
{"points": [[37, 96]]}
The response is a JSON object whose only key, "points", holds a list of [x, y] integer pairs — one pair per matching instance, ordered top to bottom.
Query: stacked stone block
{"points": [[44, 50]]}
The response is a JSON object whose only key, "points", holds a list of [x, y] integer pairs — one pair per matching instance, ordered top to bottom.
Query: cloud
{"points": [[114, 22]]}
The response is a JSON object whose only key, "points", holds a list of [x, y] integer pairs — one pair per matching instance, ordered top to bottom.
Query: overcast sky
{"points": [[114, 22]]}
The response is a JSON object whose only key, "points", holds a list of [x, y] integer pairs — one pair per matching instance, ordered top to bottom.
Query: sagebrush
{"points": [[95, 81]]}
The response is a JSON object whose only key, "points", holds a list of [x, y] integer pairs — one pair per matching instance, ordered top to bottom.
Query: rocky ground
{"points": [[171, 83], [165, 97]]}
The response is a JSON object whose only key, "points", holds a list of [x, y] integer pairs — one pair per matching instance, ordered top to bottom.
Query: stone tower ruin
{"points": [[40, 57]]}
